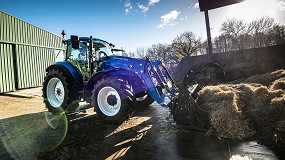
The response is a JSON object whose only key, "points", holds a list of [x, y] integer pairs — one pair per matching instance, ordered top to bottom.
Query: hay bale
{"points": [[263, 79], [278, 84], [223, 106], [255, 107], [258, 113], [228, 124]]}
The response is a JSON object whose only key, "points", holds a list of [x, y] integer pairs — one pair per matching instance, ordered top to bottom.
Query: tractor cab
{"points": [[87, 56]]}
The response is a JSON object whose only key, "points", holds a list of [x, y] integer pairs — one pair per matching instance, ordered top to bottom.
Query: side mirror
{"points": [[74, 41], [111, 45]]}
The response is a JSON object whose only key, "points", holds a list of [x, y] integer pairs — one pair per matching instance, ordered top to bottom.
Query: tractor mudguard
{"points": [[69, 69]]}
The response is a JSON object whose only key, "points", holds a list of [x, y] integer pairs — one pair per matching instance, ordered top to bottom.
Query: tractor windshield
{"points": [[77, 54], [78, 57]]}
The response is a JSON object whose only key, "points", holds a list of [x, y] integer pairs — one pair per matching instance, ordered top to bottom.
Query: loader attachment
{"points": [[159, 83]]}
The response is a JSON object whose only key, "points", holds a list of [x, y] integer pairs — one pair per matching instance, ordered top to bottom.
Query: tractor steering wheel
{"points": [[100, 54]]}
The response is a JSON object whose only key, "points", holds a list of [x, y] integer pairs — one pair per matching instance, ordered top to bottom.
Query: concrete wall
{"points": [[238, 64]]}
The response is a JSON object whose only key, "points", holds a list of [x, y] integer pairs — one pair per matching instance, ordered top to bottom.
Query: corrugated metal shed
{"points": [[25, 52]]}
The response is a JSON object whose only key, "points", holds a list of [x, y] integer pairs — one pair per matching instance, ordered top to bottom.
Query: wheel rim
{"points": [[55, 92], [109, 101]]}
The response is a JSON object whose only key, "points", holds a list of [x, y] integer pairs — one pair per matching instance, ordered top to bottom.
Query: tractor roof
{"points": [[85, 39]]}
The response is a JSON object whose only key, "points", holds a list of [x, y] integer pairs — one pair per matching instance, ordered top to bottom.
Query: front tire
{"points": [[58, 92], [113, 99]]}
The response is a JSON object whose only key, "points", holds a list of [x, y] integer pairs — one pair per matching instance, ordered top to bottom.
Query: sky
{"points": [[131, 24]]}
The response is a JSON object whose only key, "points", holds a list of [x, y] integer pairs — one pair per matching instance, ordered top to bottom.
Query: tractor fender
{"points": [[72, 71], [129, 75]]}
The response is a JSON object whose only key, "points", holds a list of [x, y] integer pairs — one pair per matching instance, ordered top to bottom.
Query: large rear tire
{"points": [[59, 92], [113, 99]]}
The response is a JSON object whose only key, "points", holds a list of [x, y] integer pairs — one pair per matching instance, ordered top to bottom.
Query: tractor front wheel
{"points": [[58, 92], [113, 99]]}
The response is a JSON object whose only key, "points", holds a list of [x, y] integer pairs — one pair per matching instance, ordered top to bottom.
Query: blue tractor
{"points": [[113, 85]]}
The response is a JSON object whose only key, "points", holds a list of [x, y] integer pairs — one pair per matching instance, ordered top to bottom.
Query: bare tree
{"points": [[261, 27], [236, 33], [277, 35], [221, 43], [186, 44], [204, 48], [160, 51], [141, 52], [131, 54]]}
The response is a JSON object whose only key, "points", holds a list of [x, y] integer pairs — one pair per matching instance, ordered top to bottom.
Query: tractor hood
{"points": [[136, 64]]}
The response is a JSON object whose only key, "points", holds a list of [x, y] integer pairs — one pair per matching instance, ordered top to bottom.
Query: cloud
{"points": [[152, 2], [196, 5], [281, 5], [128, 6], [143, 8], [170, 16], [183, 18], [169, 19], [160, 26]]}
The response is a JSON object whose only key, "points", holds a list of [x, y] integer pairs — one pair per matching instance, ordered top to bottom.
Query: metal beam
{"points": [[208, 28]]}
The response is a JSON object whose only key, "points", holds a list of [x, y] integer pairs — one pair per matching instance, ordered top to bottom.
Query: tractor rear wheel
{"points": [[58, 92], [113, 99]]}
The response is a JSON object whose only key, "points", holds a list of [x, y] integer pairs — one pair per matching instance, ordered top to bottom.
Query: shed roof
{"points": [[212, 4]]}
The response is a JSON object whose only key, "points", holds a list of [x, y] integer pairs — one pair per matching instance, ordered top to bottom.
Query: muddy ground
{"points": [[27, 131]]}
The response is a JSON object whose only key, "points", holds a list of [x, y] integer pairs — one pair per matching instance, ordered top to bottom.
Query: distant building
{"points": [[25, 52]]}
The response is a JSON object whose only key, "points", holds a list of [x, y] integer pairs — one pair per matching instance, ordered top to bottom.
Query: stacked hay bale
{"points": [[224, 106], [253, 107]]}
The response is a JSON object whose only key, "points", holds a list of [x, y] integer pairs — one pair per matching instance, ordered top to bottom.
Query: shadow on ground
{"points": [[149, 134], [25, 136]]}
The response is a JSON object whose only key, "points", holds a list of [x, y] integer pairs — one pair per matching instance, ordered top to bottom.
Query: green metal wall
{"points": [[14, 30], [25, 52], [31, 66], [6, 68]]}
